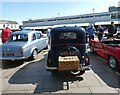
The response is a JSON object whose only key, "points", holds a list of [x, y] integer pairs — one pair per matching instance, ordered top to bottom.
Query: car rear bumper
{"points": [[12, 58], [55, 68]]}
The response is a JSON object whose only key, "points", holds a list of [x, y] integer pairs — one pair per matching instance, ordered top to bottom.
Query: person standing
{"points": [[112, 29], [91, 30], [100, 32], [5, 34]]}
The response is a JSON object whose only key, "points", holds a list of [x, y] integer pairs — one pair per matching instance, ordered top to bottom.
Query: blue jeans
{"points": [[91, 37]]}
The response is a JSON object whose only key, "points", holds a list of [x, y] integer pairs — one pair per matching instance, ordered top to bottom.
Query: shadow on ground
{"points": [[10, 64], [103, 70], [35, 73], [45, 82]]}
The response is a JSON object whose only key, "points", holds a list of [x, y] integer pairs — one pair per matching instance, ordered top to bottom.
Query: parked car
{"points": [[22, 45], [109, 49], [68, 50]]}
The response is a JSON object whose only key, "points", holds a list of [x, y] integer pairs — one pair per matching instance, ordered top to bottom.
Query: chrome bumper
{"points": [[12, 58], [55, 68]]}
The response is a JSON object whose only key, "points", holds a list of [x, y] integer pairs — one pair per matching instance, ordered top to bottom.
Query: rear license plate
{"points": [[8, 54]]}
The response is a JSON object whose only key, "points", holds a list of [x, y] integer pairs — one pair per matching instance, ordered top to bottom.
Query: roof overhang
{"points": [[107, 23], [77, 24], [39, 27]]}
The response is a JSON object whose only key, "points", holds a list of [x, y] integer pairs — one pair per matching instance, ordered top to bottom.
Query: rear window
{"points": [[68, 35], [19, 37]]}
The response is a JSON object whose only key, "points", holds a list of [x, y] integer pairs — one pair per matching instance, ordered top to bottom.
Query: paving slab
{"points": [[32, 77], [89, 80], [5, 84], [21, 87], [103, 89], [79, 90]]}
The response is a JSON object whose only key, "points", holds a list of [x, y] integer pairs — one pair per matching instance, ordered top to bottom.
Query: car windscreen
{"points": [[19, 37]]}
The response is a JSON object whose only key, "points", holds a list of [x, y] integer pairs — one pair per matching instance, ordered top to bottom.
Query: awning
{"points": [[107, 23], [77, 24], [39, 27]]}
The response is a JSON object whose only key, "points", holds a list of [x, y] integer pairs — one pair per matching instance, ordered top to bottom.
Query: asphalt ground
{"points": [[32, 77]]}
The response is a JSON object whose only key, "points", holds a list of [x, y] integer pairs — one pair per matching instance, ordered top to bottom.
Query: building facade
{"points": [[113, 8], [83, 20], [13, 25]]}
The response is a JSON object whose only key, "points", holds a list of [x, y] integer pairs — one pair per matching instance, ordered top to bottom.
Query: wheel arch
{"points": [[35, 48]]}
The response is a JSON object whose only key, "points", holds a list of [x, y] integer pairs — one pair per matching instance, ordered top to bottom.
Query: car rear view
{"points": [[68, 50]]}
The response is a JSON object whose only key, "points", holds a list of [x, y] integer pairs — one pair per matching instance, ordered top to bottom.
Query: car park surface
{"points": [[32, 77]]}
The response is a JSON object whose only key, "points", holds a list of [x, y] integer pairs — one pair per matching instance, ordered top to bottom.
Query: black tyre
{"points": [[46, 47], [34, 54], [49, 59], [113, 62], [77, 73]]}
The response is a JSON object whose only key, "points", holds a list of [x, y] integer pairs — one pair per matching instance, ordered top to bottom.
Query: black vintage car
{"points": [[68, 50]]}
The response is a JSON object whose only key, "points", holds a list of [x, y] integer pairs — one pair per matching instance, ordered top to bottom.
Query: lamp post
{"points": [[59, 14], [93, 15], [59, 17]]}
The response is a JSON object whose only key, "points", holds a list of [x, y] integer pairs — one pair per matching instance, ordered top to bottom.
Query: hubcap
{"points": [[34, 54], [112, 62]]}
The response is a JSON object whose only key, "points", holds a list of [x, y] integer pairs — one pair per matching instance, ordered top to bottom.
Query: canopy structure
{"points": [[107, 23], [77, 24], [60, 25], [39, 27]]}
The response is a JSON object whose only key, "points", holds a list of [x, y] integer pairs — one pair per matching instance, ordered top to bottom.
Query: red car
{"points": [[109, 49]]}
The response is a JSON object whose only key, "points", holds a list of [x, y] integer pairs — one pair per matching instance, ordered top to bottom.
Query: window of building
{"points": [[102, 15], [113, 16], [3, 25], [11, 26], [15, 26]]}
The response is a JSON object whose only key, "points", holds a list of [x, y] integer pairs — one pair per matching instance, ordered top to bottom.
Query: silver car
{"points": [[22, 45]]}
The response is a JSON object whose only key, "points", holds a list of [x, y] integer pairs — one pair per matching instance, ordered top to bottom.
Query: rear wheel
{"points": [[46, 47], [34, 54], [49, 59], [113, 62], [77, 73]]}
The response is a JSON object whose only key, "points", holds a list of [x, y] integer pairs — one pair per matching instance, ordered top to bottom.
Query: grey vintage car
{"points": [[22, 45]]}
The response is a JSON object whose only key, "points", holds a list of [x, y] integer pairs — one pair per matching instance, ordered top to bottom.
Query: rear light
{"points": [[86, 60]]}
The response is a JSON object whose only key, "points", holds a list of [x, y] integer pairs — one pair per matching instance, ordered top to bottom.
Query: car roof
{"points": [[68, 28], [24, 32]]}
